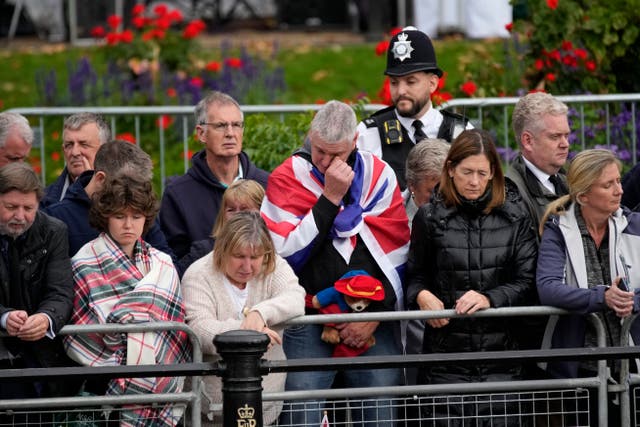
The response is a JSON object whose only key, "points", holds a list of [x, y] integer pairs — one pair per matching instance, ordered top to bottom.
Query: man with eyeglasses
{"points": [[191, 202]]}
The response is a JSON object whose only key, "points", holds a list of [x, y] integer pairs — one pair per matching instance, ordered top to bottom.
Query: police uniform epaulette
{"points": [[454, 115], [375, 119], [369, 122]]}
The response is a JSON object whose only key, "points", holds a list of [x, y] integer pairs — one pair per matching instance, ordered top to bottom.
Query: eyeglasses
{"points": [[222, 126]]}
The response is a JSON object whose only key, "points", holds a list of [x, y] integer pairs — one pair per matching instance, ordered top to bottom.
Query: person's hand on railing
{"points": [[618, 299], [428, 301], [471, 302], [253, 320], [356, 334]]}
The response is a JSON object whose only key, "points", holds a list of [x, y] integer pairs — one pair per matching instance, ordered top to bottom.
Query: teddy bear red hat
{"points": [[359, 284]]}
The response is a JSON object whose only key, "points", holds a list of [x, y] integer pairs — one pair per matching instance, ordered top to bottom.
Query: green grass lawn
{"points": [[311, 73]]}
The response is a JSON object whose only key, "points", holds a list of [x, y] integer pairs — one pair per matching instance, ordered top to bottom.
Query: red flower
{"points": [[553, 4], [138, 9], [160, 10], [175, 15], [114, 21], [138, 21], [163, 23], [509, 26], [193, 28], [395, 31], [98, 32], [126, 36], [112, 39], [567, 45], [381, 48], [581, 53], [555, 54], [568, 60], [233, 62], [538, 64], [590, 65], [213, 66], [550, 77], [196, 81], [442, 81], [469, 88], [172, 93], [384, 94], [438, 97], [164, 121], [55, 135], [126, 136], [188, 155], [55, 156]]}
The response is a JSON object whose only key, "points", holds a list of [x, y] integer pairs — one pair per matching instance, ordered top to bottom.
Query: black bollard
{"points": [[241, 352]]}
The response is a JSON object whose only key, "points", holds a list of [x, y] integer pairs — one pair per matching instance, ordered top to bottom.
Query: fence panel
{"points": [[596, 120]]}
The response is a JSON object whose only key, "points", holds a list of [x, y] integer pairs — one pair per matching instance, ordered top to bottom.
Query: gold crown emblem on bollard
{"points": [[246, 412]]}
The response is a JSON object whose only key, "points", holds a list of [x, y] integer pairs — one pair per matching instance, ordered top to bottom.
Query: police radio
{"points": [[392, 132]]}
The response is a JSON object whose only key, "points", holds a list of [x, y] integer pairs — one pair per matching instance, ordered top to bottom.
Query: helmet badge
{"points": [[402, 48]]}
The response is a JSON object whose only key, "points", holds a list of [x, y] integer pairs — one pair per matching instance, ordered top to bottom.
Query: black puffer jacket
{"points": [[458, 249]]}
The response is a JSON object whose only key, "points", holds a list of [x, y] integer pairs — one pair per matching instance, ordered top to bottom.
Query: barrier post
{"points": [[241, 352]]}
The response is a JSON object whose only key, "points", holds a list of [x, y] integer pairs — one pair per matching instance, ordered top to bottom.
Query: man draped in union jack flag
{"points": [[332, 209]]}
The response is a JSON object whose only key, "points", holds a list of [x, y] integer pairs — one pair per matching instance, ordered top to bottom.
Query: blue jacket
{"points": [[53, 192], [191, 202], [74, 211], [561, 279]]}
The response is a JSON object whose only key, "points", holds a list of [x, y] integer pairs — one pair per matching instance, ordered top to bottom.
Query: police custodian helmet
{"points": [[409, 51]]}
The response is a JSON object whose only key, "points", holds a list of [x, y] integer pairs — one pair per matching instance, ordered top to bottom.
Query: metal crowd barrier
{"points": [[582, 107], [494, 113], [541, 402], [87, 411]]}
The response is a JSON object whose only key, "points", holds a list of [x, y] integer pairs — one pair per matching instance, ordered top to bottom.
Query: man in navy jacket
{"points": [[113, 158], [191, 202]]}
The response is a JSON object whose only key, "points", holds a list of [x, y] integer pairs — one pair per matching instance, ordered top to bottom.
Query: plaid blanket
{"points": [[376, 214], [111, 288]]}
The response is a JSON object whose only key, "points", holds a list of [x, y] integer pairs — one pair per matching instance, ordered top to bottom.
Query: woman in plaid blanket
{"points": [[119, 278]]}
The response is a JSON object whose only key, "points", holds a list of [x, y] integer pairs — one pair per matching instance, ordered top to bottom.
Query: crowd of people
{"points": [[409, 209]]}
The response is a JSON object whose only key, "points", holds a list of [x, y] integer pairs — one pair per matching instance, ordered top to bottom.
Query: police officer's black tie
{"points": [[419, 133], [561, 188]]}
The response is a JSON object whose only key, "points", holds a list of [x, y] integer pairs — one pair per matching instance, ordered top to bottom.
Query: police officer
{"points": [[413, 76]]}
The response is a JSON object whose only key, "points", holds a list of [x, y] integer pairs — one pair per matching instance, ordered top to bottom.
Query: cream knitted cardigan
{"points": [[211, 311]]}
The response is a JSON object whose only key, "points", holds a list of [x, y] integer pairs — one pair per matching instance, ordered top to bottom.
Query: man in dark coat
{"points": [[541, 127], [191, 202], [36, 287]]}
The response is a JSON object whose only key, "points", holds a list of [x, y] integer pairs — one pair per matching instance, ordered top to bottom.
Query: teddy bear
{"points": [[353, 292]]}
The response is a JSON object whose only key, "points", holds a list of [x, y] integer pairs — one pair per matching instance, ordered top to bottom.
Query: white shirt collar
{"points": [[431, 121], [542, 176]]}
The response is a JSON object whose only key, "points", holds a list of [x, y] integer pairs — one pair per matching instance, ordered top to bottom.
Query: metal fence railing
{"points": [[602, 120], [561, 402], [96, 411]]}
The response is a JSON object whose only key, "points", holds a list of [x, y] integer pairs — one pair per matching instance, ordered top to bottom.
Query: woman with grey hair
{"points": [[423, 169]]}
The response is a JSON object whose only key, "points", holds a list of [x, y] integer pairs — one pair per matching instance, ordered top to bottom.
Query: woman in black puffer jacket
{"points": [[473, 247]]}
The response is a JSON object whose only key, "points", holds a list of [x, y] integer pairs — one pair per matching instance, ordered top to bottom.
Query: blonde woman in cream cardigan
{"points": [[242, 284]]}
